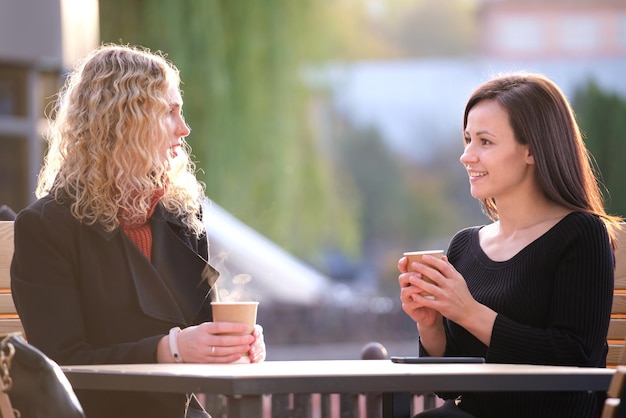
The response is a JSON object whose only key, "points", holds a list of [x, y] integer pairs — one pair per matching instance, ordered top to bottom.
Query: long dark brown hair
{"points": [[542, 118]]}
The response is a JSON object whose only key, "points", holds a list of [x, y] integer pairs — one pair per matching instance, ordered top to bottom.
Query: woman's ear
{"points": [[530, 160]]}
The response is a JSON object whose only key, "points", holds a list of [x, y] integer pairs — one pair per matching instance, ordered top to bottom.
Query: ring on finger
{"points": [[213, 350]]}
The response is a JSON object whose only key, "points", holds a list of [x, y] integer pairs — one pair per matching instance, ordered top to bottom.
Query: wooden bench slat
{"points": [[6, 252], [620, 262], [5, 277], [619, 303], [6, 304], [9, 319], [11, 325], [617, 329], [614, 355], [617, 383], [614, 394], [610, 407]]}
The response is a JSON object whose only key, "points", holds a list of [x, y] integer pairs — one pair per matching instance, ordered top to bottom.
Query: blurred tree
{"points": [[434, 28], [401, 29], [356, 31], [241, 65], [601, 116], [399, 202], [403, 205]]}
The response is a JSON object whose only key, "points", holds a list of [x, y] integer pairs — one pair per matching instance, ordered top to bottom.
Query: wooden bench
{"points": [[9, 320], [617, 327], [613, 405]]}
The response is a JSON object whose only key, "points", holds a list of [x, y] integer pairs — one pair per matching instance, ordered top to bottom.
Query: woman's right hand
{"points": [[412, 300], [429, 321], [208, 342]]}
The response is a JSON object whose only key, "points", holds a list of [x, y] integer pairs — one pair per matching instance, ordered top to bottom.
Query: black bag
{"points": [[35, 385]]}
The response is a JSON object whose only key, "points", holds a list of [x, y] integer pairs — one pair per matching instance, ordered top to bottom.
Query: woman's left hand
{"points": [[257, 348]]}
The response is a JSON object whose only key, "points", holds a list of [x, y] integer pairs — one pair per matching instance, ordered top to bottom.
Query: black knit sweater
{"points": [[553, 300]]}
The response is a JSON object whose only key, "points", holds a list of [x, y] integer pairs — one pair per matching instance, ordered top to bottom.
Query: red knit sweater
{"points": [[141, 233]]}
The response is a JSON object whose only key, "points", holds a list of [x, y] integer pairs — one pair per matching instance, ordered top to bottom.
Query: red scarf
{"points": [[141, 233]]}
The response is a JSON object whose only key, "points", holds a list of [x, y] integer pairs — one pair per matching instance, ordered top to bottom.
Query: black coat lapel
{"points": [[187, 275], [155, 298]]}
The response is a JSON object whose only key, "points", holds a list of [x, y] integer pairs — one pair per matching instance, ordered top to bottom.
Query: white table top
{"points": [[335, 376]]}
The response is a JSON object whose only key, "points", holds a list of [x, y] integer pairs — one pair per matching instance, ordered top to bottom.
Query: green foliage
{"points": [[434, 28], [399, 29], [245, 101], [602, 118], [400, 202], [404, 205]]}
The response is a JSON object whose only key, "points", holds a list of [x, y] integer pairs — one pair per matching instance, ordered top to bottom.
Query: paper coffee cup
{"points": [[413, 256], [244, 312]]}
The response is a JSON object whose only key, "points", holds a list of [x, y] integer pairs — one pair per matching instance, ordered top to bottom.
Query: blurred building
{"points": [[555, 29], [39, 39], [412, 101]]}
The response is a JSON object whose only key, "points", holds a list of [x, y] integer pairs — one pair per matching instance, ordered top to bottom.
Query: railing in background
{"points": [[379, 318], [332, 405]]}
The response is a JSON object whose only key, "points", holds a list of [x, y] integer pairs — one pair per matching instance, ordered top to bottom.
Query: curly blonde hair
{"points": [[107, 137]]}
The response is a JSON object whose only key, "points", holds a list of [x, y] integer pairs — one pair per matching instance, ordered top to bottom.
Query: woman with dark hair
{"points": [[111, 263], [534, 286]]}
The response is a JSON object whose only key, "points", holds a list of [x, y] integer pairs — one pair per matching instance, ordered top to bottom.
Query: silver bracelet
{"points": [[174, 345]]}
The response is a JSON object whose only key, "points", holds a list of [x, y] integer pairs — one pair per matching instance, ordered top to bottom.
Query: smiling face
{"points": [[498, 166]]}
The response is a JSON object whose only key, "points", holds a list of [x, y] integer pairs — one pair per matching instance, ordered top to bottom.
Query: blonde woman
{"points": [[110, 264]]}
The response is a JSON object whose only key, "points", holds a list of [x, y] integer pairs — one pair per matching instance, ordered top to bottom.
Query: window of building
{"points": [[579, 33], [519, 34], [13, 83], [21, 142], [14, 172]]}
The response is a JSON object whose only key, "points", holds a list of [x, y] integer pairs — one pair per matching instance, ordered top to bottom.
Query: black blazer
{"points": [[87, 296]]}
